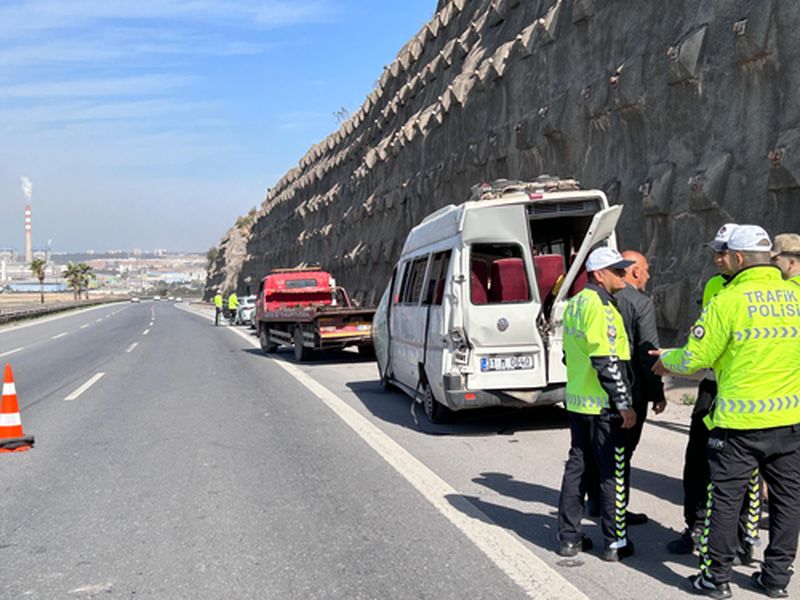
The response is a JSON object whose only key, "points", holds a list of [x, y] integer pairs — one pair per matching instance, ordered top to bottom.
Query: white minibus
{"points": [[472, 316]]}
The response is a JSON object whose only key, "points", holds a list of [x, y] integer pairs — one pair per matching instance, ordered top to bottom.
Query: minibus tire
{"points": [[263, 338], [386, 381], [436, 412]]}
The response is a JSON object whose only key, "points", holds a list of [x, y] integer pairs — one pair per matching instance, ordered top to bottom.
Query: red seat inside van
{"points": [[549, 268], [479, 278], [580, 282], [509, 283]]}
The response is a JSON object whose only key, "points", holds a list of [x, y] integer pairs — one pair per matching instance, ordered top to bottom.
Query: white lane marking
{"points": [[100, 319], [152, 323], [84, 326], [145, 332], [60, 335], [132, 346], [14, 351], [95, 378], [527, 570]]}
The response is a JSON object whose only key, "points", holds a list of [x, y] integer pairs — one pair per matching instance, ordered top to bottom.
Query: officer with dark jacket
{"points": [[639, 315]]}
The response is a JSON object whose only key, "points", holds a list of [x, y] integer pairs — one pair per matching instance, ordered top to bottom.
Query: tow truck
{"points": [[304, 308]]}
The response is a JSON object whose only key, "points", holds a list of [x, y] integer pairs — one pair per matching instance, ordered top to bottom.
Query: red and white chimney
{"points": [[28, 252]]}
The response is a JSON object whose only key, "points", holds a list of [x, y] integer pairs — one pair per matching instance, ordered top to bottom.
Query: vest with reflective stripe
{"points": [[591, 328], [750, 334]]}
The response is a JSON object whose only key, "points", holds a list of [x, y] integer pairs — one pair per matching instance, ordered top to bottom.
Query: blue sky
{"points": [[155, 123]]}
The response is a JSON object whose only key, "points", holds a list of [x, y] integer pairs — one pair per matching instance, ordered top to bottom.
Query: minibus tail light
{"points": [[460, 346]]}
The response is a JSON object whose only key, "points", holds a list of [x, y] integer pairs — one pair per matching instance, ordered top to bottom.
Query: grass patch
{"points": [[688, 399]]}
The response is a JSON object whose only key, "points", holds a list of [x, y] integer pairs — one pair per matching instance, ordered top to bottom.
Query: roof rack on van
{"points": [[501, 187]]}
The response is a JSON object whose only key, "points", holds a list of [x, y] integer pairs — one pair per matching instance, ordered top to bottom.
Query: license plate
{"points": [[507, 363]]}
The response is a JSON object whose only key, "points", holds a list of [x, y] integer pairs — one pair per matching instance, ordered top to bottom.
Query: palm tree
{"points": [[38, 266], [72, 273], [87, 274]]}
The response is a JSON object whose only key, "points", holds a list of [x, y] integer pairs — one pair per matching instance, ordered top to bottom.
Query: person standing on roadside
{"points": [[786, 256], [233, 304], [217, 306], [639, 316], [750, 334], [599, 405], [695, 468]]}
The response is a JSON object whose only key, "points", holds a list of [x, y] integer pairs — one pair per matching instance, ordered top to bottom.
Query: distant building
{"points": [[43, 253], [8, 254]]}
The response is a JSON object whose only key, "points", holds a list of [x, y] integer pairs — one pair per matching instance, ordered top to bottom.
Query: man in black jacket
{"points": [[639, 315]]}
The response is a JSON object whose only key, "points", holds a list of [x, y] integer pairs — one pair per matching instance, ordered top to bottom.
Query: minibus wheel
{"points": [[436, 412]]}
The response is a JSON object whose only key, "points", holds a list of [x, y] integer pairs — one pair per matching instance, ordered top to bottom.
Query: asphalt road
{"points": [[195, 467]]}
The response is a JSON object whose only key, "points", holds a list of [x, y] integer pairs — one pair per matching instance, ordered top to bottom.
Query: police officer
{"points": [[786, 256], [233, 304], [217, 306], [750, 334], [599, 405], [695, 469]]}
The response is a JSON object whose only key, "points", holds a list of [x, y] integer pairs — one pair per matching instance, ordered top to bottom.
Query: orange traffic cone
{"points": [[12, 439]]}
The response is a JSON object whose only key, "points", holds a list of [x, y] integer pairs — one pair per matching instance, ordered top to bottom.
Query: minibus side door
{"points": [[600, 230], [435, 342]]}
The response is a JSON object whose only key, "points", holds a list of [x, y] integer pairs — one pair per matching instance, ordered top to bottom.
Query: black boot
{"points": [[685, 544], [569, 549], [617, 554], [701, 585], [773, 592]]}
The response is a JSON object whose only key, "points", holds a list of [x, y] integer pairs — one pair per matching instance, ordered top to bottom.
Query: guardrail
{"points": [[10, 314]]}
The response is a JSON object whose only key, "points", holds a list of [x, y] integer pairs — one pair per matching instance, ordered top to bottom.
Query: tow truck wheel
{"points": [[266, 346], [367, 351], [301, 352], [436, 412]]}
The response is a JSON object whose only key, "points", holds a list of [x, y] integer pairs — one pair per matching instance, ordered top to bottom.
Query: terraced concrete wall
{"points": [[687, 112]]}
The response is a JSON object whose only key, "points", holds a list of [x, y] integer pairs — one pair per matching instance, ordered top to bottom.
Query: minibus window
{"points": [[499, 274], [400, 284], [413, 285], [434, 289]]}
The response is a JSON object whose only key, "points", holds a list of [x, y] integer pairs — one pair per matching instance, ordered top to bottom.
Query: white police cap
{"points": [[750, 238], [720, 241], [606, 258]]}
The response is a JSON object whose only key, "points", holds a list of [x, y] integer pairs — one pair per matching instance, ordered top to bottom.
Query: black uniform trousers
{"points": [[598, 447], [733, 455], [696, 474]]}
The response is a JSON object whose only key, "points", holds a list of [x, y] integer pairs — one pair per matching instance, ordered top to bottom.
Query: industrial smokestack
{"points": [[27, 190], [28, 253]]}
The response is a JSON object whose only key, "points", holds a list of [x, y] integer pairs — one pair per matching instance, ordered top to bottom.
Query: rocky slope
{"points": [[684, 111]]}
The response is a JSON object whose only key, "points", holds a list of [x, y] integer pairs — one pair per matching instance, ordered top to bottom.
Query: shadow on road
{"points": [[328, 357], [395, 407], [651, 557]]}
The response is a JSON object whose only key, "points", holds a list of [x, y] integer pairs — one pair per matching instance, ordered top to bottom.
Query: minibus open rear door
{"points": [[600, 230]]}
